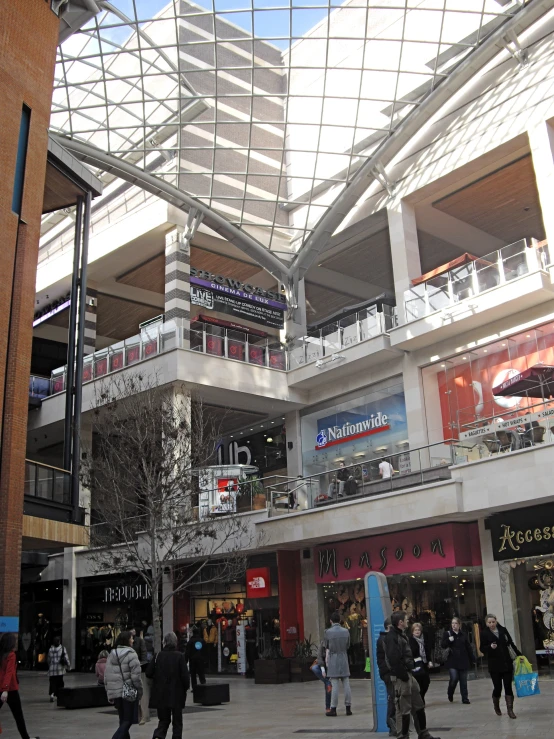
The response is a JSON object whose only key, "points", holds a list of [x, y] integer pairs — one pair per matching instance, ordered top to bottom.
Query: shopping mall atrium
{"points": [[328, 225]]}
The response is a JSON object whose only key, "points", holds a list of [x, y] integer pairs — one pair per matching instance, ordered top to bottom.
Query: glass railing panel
{"points": [[543, 254], [514, 260], [487, 274], [462, 281], [438, 294], [415, 303], [370, 324], [350, 330], [169, 336], [331, 338], [197, 340], [215, 341], [149, 348], [314, 348], [236, 349], [132, 351], [256, 354], [297, 354], [277, 358], [117, 359], [100, 364], [88, 370], [57, 382], [39, 387], [30, 479], [44, 482], [61, 491]]}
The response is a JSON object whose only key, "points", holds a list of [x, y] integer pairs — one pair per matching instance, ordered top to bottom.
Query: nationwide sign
{"points": [[242, 300], [332, 435]]}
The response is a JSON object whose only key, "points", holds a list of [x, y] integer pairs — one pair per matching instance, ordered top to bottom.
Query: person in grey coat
{"points": [[336, 643], [123, 666]]}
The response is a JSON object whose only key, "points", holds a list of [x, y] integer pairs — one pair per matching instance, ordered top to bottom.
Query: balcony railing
{"points": [[474, 278], [339, 335], [232, 344], [39, 387], [412, 468], [47, 483]]}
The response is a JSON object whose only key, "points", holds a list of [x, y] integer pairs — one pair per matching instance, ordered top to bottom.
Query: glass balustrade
{"points": [[475, 277], [47, 483]]}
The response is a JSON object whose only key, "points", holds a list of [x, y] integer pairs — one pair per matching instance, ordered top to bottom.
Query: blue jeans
{"points": [[316, 669], [455, 676]]}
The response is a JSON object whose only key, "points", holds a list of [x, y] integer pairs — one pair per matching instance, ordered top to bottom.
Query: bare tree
{"points": [[149, 444]]}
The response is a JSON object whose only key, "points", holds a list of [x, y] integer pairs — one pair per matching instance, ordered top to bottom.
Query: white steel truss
{"points": [[269, 117]]}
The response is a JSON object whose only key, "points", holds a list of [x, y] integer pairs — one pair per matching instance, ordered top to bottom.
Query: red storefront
{"points": [[433, 573]]}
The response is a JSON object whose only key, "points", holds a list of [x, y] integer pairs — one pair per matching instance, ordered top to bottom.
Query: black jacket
{"points": [[343, 474], [414, 646], [193, 654], [398, 654], [460, 657], [499, 659], [384, 672], [170, 679]]}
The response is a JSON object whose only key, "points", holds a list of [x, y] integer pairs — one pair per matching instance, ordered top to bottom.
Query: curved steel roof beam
{"points": [[385, 153], [130, 173]]}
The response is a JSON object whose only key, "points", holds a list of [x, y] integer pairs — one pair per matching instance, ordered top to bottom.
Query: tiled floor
{"points": [[286, 712]]}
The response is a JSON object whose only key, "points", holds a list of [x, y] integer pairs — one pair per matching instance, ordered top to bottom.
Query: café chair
{"points": [[534, 436], [505, 441], [493, 445]]}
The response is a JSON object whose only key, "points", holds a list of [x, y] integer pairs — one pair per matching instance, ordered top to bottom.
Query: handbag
{"points": [[63, 658], [526, 681], [129, 692]]}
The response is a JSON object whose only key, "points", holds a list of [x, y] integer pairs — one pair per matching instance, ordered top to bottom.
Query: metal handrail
{"points": [[49, 466]]}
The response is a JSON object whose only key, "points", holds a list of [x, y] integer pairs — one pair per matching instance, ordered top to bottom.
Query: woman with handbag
{"points": [[498, 647], [460, 659], [58, 663], [122, 679], [9, 684]]}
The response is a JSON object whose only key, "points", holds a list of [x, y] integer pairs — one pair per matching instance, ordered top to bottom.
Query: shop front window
{"points": [[495, 397], [357, 431], [431, 598]]}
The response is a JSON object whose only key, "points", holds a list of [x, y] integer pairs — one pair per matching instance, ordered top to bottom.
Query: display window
{"points": [[504, 386], [356, 429], [430, 597]]}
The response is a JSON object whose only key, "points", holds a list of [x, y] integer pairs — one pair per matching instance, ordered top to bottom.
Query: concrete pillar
{"points": [[541, 141], [404, 247], [177, 281], [91, 301], [415, 412], [294, 455], [167, 588], [499, 592], [312, 600], [69, 609], [526, 641]]}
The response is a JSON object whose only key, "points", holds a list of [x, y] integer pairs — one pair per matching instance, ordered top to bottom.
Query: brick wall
{"points": [[28, 39]]}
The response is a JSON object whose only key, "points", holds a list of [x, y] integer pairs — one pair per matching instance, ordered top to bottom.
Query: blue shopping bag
{"points": [[527, 684]]}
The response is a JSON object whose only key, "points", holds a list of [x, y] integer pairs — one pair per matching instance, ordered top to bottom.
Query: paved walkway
{"points": [[287, 712]]}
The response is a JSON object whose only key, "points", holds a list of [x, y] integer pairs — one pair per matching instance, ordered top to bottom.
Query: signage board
{"points": [[235, 298], [524, 532], [258, 583], [125, 593], [378, 609], [9, 624], [241, 648]]}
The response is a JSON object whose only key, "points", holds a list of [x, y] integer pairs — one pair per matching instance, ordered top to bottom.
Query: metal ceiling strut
{"points": [[384, 154]]}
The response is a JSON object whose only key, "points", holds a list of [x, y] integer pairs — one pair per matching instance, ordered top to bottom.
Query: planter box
{"points": [[300, 670], [272, 671]]}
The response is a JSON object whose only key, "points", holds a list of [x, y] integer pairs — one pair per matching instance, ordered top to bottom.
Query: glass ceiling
{"points": [[262, 109]]}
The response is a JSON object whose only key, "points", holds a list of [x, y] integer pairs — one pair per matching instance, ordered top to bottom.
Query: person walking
{"points": [[337, 641], [139, 645], [498, 647], [421, 653], [194, 654], [460, 659], [58, 663], [100, 667], [319, 668], [123, 673], [385, 675], [170, 677], [9, 684], [408, 699]]}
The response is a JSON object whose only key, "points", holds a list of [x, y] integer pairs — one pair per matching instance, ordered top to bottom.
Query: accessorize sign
{"points": [[233, 297], [525, 532], [417, 550]]}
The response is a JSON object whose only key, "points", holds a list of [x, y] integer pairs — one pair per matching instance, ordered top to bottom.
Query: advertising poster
{"points": [[237, 303], [241, 649]]}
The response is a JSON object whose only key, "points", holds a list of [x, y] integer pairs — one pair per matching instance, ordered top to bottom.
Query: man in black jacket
{"points": [[400, 662], [384, 674], [170, 676]]}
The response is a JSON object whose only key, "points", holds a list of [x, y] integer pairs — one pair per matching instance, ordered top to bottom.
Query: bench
{"points": [[211, 694], [87, 696]]}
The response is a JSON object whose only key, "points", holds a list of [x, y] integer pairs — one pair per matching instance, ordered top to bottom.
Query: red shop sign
{"points": [[417, 550], [258, 583]]}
